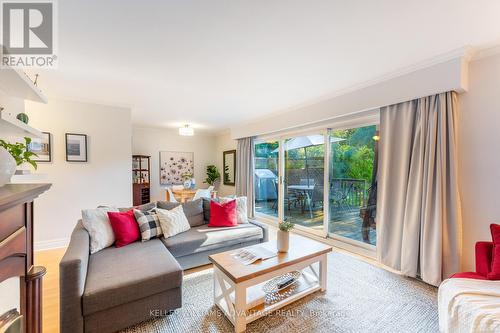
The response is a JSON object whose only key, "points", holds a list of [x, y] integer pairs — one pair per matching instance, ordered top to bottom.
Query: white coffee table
{"points": [[238, 288]]}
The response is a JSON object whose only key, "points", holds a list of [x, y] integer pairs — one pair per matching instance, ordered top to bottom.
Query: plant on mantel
{"points": [[19, 151]]}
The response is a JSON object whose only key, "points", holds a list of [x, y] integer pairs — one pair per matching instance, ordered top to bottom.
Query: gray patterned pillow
{"points": [[149, 224]]}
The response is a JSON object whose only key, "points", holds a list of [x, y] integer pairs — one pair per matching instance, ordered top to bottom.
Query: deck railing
{"points": [[348, 192]]}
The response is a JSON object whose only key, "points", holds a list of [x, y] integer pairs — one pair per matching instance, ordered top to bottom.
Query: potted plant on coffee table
{"points": [[283, 240]]}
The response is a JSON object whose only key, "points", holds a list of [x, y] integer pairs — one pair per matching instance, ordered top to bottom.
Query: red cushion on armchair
{"points": [[483, 263], [494, 274], [469, 275]]}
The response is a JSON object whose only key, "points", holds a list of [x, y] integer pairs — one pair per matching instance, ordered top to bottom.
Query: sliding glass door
{"points": [[304, 157], [324, 182], [353, 187]]}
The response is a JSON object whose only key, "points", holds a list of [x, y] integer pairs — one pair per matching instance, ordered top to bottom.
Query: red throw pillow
{"points": [[223, 215], [125, 227], [495, 259]]}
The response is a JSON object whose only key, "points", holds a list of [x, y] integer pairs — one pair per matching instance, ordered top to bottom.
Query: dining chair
{"points": [[203, 193], [171, 197]]}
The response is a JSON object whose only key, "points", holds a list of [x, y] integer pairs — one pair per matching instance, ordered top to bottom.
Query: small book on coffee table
{"points": [[249, 256]]}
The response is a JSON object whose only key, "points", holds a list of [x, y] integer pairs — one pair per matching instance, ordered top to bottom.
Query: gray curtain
{"points": [[245, 172], [418, 214]]}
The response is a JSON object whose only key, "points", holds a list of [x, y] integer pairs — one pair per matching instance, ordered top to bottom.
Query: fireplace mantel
{"points": [[16, 248]]}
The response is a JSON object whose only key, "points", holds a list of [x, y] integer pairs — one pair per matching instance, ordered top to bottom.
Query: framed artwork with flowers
{"points": [[175, 167]]}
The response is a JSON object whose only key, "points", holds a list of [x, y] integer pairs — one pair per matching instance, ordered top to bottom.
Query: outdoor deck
{"points": [[346, 222]]}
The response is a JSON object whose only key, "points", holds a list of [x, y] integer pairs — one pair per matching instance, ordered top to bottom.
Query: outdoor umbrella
{"points": [[307, 141]]}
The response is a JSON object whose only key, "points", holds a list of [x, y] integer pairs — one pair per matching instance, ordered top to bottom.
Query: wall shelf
{"points": [[16, 83], [10, 126]]}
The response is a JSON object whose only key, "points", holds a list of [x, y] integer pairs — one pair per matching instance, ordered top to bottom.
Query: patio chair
{"points": [[340, 195], [291, 198]]}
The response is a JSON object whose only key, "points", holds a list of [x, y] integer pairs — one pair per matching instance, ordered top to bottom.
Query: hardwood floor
{"points": [[50, 302]]}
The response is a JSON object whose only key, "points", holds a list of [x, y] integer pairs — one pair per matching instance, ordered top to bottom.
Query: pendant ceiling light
{"points": [[186, 130]]}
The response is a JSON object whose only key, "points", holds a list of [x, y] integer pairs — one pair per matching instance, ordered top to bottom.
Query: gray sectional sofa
{"points": [[118, 287]]}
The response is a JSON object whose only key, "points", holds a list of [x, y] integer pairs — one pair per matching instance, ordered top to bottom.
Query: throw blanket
{"points": [[467, 305]]}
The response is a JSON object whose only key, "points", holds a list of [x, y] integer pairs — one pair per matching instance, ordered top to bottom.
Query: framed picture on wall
{"points": [[42, 147], [76, 147], [174, 165]]}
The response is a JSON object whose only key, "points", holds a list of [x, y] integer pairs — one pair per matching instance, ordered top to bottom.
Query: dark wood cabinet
{"points": [[141, 178], [16, 248]]}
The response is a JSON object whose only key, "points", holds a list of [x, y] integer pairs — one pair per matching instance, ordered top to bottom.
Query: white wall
{"points": [[150, 141], [223, 143], [479, 148], [104, 179]]}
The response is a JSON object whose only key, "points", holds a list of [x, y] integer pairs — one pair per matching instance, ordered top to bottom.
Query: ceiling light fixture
{"points": [[186, 130]]}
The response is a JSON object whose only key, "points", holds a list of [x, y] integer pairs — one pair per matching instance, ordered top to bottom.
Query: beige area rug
{"points": [[360, 298]]}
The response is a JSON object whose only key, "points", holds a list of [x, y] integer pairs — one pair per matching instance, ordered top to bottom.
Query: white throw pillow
{"points": [[241, 208], [173, 221], [97, 223]]}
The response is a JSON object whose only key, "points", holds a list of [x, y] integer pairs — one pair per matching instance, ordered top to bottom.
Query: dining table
{"points": [[181, 195]]}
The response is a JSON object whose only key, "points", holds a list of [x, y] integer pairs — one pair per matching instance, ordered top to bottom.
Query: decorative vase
{"points": [[23, 117], [7, 166], [193, 183], [187, 184], [283, 240]]}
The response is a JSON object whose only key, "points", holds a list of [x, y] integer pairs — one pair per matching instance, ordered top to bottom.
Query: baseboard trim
{"points": [[51, 244]]}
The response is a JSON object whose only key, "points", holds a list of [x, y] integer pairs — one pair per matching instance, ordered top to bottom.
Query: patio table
{"points": [[307, 190]]}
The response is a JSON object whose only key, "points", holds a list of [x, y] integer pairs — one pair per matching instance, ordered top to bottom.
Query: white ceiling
{"points": [[217, 63]]}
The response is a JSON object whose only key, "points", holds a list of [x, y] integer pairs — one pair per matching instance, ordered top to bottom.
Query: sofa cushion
{"points": [[241, 208], [192, 209], [206, 209], [223, 214], [172, 221], [96, 222], [149, 224], [124, 227], [204, 238], [120, 275]]}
